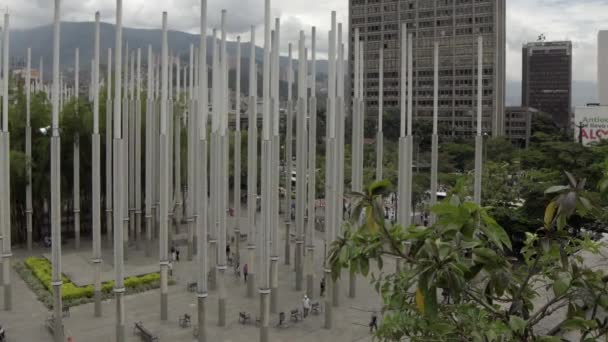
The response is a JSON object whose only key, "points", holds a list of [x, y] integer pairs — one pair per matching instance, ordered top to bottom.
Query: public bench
{"points": [[192, 286], [315, 308], [296, 315], [244, 317], [185, 321], [144, 333]]}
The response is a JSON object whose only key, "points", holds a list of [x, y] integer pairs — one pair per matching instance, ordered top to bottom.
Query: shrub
{"points": [[42, 270]]}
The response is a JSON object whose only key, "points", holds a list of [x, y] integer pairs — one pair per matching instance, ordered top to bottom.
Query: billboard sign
{"points": [[591, 124]]}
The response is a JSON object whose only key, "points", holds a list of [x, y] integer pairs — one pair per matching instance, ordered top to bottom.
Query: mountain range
{"points": [[81, 34]]}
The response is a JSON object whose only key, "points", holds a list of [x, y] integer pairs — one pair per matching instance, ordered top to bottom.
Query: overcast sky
{"points": [[576, 20]]}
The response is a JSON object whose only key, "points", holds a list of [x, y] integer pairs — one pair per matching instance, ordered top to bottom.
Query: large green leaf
{"points": [[556, 188], [496, 234], [562, 284], [517, 324]]}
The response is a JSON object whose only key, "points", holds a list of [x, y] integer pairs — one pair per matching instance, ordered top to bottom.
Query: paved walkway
{"points": [[25, 323]]}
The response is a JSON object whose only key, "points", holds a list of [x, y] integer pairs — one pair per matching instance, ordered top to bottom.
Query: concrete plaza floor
{"points": [[26, 321]]}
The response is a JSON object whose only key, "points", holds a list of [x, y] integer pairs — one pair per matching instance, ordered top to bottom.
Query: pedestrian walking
{"points": [[176, 254], [245, 272], [323, 287], [306, 305], [373, 324]]}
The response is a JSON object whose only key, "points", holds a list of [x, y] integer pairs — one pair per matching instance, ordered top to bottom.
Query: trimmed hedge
{"points": [[42, 269]]}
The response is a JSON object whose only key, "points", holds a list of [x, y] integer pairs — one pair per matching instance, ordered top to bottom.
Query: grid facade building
{"points": [[455, 24], [547, 79], [518, 124]]}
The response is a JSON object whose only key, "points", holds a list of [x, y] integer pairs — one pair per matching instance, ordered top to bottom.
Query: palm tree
{"points": [[569, 199], [371, 204]]}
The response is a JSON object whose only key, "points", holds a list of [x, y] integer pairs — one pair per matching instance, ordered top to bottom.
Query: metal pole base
{"points": [[77, 230], [29, 231], [137, 231], [109, 235], [148, 236], [287, 243], [125, 248], [190, 249], [299, 265], [212, 278], [6, 280], [221, 282], [251, 285], [274, 285], [310, 285], [352, 285], [336, 294], [274, 300], [328, 302], [164, 306], [97, 310], [221, 313], [57, 314], [264, 316], [120, 319], [202, 319]]}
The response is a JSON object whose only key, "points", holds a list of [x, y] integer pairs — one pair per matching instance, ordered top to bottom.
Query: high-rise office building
{"points": [[455, 24], [602, 67], [547, 79]]}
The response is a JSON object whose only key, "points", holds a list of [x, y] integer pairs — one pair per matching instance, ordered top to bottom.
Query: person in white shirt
{"points": [[306, 305]]}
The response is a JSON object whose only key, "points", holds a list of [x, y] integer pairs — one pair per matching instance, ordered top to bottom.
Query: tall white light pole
{"points": [[41, 75], [403, 125], [379, 134], [435, 137], [479, 137], [109, 140], [131, 141], [357, 141], [340, 143], [406, 143], [118, 147], [28, 150], [137, 152], [237, 153], [76, 156], [192, 156], [288, 157], [301, 161], [125, 163], [214, 163], [312, 170], [252, 173], [96, 176], [164, 176], [222, 176], [175, 179], [201, 179], [55, 180], [330, 182], [5, 191], [149, 195], [274, 197], [179, 205], [263, 234]]}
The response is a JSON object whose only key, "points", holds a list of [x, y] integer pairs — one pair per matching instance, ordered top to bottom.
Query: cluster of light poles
{"points": [[205, 218]]}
